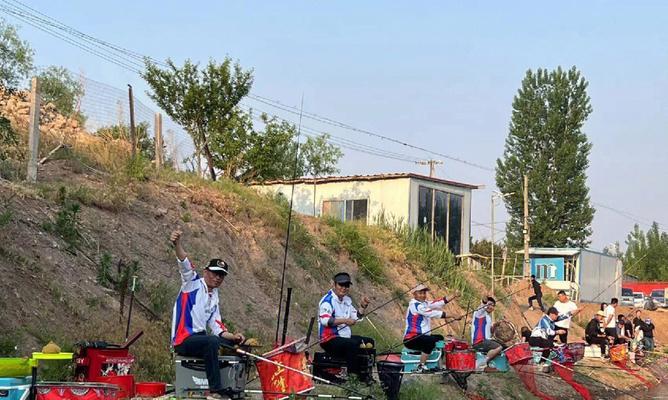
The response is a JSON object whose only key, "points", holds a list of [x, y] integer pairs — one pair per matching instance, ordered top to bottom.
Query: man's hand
{"points": [[175, 239], [456, 296], [365, 302], [349, 321], [560, 332], [239, 338]]}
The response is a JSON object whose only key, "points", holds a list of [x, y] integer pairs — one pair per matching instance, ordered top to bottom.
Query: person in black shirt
{"points": [[537, 293], [637, 321], [594, 333], [648, 334]]}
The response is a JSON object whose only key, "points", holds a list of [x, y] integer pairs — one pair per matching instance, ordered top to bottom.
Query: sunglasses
{"points": [[345, 285]]}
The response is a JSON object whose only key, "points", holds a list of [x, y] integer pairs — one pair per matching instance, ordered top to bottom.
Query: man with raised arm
{"points": [[196, 311]]}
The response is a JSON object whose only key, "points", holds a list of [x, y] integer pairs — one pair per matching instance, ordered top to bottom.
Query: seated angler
{"points": [[195, 310], [336, 315], [418, 326], [481, 330], [544, 332]]}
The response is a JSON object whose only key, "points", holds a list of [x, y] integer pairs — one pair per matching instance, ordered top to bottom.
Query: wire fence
{"points": [[105, 106]]}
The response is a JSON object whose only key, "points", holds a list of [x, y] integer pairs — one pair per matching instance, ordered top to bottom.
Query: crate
{"points": [[191, 376]]}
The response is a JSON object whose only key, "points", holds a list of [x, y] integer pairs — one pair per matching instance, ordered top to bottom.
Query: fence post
{"points": [[33, 131], [133, 134], [158, 141]]}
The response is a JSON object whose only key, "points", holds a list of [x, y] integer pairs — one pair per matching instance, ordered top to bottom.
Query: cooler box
{"points": [[411, 358], [191, 376], [14, 388]]}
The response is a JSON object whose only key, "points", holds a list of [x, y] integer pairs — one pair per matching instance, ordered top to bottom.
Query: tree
{"points": [[16, 57], [59, 87], [203, 102], [547, 143], [320, 158], [647, 254]]}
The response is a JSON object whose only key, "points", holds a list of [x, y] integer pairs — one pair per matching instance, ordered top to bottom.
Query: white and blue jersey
{"points": [[195, 308], [329, 308], [419, 314], [546, 328]]}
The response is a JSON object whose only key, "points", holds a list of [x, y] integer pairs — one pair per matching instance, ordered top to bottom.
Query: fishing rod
{"points": [[287, 235], [620, 276], [468, 307], [317, 378], [304, 395]]}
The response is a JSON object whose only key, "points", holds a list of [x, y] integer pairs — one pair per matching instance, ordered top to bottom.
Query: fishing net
{"points": [[504, 331], [623, 365], [565, 372], [527, 376]]}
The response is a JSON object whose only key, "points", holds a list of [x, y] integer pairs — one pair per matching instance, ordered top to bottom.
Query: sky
{"points": [[439, 75]]}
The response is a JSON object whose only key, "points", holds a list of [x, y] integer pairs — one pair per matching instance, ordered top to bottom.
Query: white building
{"points": [[441, 206]]}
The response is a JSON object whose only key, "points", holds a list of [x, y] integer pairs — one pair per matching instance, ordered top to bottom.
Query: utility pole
{"points": [[133, 133], [158, 141], [432, 166], [495, 195], [526, 268]]}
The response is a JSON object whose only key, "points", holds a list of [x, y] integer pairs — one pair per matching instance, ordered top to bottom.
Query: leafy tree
{"points": [[16, 56], [59, 87], [203, 101], [145, 143], [547, 143], [320, 158], [647, 254]]}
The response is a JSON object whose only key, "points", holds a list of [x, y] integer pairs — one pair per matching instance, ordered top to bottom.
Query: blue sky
{"points": [[440, 75]]}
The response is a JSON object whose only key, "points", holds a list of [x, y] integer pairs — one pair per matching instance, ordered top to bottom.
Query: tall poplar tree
{"points": [[546, 142]]}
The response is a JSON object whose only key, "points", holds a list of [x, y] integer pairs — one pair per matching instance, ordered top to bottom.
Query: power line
{"points": [[128, 59], [628, 215]]}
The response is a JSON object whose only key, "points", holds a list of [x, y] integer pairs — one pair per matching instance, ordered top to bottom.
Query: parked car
{"points": [[658, 296], [627, 297], [638, 299]]}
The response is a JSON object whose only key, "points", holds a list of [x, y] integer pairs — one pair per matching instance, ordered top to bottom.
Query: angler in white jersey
{"points": [[197, 309], [336, 314], [417, 335]]}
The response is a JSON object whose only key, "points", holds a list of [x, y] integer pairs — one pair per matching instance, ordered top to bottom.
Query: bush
{"points": [[66, 224], [349, 237], [104, 271]]}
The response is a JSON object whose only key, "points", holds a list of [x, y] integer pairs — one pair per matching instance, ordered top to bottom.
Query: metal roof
{"points": [[377, 177], [551, 251]]}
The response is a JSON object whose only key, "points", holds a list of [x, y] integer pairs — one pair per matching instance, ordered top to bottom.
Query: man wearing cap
{"points": [[565, 307], [195, 310], [336, 314], [418, 326], [544, 332], [594, 332], [648, 334]]}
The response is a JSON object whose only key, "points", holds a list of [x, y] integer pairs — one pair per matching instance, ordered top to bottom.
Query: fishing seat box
{"points": [[411, 358], [327, 366], [191, 376]]}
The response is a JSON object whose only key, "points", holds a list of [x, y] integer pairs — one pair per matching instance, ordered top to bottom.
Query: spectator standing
{"points": [[537, 293]]}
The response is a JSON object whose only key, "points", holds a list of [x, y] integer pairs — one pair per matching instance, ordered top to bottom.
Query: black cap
{"points": [[218, 266], [342, 277], [562, 292], [552, 310]]}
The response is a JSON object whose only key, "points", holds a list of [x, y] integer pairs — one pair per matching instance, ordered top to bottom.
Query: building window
{"points": [[346, 210], [441, 213]]}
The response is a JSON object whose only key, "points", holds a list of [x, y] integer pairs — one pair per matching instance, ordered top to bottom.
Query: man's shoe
{"points": [[531, 308], [421, 369], [343, 374], [215, 396]]}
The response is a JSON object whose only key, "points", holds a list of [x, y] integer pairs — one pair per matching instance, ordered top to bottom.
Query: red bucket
{"points": [[456, 345], [518, 353], [460, 360], [150, 389]]}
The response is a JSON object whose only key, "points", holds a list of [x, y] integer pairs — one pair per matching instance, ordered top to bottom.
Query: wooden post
{"points": [[33, 132], [133, 133], [158, 141], [492, 249], [504, 254], [527, 268]]}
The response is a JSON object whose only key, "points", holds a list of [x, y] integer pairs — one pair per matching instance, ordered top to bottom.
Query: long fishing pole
{"points": [[287, 235], [620, 276], [314, 377], [304, 395]]}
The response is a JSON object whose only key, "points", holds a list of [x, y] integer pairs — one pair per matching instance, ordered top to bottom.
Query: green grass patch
{"points": [[350, 237]]}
